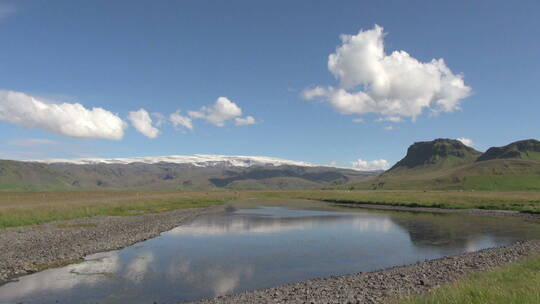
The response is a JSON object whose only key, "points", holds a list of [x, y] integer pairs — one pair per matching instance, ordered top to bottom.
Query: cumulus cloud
{"points": [[395, 85], [219, 113], [67, 119], [179, 120], [142, 121], [244, 121], [466, 141], [366, 165]]}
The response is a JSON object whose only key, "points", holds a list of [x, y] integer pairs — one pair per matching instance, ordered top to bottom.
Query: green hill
{"points": [[525, 149], [435, 155], [445, 164], [499, 174], [15, 175]]}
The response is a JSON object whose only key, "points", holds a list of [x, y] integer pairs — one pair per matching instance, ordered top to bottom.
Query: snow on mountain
{"points": [[196, 160]]}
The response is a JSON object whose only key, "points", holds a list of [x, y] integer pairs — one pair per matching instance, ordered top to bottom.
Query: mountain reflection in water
{"points": [[245, 249]]}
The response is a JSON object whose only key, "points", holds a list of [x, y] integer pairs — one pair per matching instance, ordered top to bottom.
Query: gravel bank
{"points": [[24, 250], [381, 286]]}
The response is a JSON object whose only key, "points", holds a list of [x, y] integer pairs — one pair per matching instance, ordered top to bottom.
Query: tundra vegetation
{"points": [[28, 208], [513, 284]]}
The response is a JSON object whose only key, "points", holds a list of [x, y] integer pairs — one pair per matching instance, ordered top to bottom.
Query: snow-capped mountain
{"points": [[196, 160], [182, 172]]}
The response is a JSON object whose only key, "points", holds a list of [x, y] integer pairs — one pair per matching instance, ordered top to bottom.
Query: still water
{"points": [[248, 248]]}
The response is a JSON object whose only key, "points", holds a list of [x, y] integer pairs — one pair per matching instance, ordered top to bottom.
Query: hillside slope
{"points": [[525, 149], [435, 155], [445, 164], [500, 174], [15, 175]]}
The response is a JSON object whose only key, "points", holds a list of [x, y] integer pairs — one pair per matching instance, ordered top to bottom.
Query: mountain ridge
{"points": [[528, 149], [441, 153], [197, 160], [445, 164], [17, 175]]}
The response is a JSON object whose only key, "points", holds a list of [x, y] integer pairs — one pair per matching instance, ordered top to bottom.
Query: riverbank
{"points": [[526, 202], [482, 212], [28, 249], [386, 285]]}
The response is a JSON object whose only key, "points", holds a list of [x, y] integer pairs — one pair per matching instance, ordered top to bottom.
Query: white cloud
{"points": [[395, 85], [218, 113], [68, 119], [390, 119], [179, 120], [358, 120], [142, 121], [243, 121], [390, 128], [466, 141], [365, 165]]}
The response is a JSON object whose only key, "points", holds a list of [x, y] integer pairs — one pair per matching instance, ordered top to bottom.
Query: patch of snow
{"points": [[196, 160]]}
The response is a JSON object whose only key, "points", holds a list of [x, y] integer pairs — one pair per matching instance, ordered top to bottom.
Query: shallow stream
{"points": [[261, 245]]}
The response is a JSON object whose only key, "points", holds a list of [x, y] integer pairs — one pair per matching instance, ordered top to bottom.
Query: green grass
{"points": [[532, 155], [492, 175], [525, 182], [492, 200], [29, 208], [21, 209], [23, 217], [58, 264], [518, 283]]}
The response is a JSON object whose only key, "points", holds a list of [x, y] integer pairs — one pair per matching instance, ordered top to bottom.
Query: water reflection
{"points": [[267, 220], [462, 233], [254, 248], [89, 273], [221, 279]]}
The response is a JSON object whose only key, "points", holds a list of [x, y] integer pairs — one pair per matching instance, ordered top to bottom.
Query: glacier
{"points": [[196, 160]]}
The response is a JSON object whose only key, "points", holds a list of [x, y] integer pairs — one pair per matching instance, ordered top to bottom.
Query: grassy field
{"points": [[492, 175], [518, 201], [27, 208], [518, 283]]}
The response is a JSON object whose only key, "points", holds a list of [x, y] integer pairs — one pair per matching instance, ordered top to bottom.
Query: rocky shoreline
{"points": [[25, 250], [388, 284]]}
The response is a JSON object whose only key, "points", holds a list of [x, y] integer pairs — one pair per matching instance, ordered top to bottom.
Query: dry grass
{"points": [[28, 208]]}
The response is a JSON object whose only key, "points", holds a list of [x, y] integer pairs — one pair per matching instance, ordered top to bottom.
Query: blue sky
{"points": [[263, 57]]}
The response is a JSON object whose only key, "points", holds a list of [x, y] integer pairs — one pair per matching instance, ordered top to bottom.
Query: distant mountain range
{"points": [[441, 164], [446, 164], [173, 172]]}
